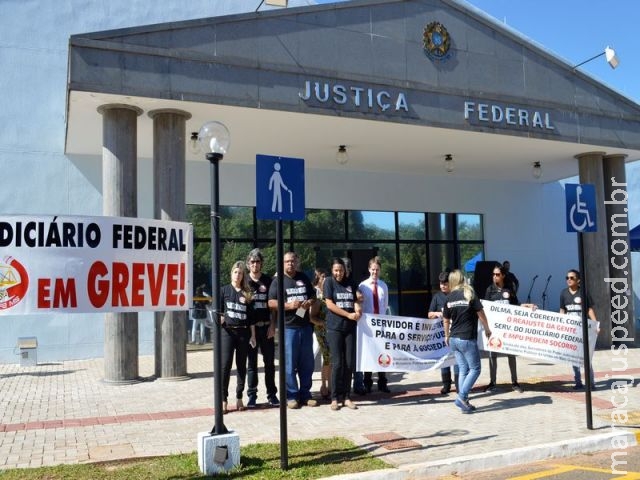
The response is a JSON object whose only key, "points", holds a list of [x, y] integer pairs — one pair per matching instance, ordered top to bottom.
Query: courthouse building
{"points": [[435, 135]]}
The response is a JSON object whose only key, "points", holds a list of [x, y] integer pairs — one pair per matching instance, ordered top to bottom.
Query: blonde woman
{"points": [[460, 317], [237, 333]]}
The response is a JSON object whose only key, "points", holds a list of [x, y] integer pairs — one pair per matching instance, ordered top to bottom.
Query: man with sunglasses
{"points": [[571, 303], [265, 324]]}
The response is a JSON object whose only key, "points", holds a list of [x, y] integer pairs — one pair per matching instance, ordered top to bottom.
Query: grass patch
{"points": [[309, 459]]}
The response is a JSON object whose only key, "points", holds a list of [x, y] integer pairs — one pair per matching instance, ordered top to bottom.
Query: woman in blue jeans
{"points": [[460, 317]]}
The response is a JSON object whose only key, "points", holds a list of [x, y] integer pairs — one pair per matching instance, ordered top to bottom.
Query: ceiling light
{"points": [[342, 156], [449, 163], [536, 171]]}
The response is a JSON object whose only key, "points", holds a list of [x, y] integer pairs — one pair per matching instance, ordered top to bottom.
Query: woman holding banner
{"points": [[501, 292], [341, 296], [460, 318]]}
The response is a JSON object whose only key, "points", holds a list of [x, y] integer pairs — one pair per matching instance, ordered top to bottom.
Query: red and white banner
{"points": [[93, 264], [540, 334], [386, 343]]}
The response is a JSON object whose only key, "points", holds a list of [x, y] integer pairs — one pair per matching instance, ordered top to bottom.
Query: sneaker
{"points": [[578, 386], [490, 388], [517, 388], [445, 389], [273, 401], [252, 402], [311, 403], [293, 404], [349, 404], [462, 405]]}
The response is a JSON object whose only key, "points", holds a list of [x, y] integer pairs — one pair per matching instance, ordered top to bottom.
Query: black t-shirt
{"points": [[297, 288], [260, 290], [343, 294], [501, 295], [437, 302], [572, 303], [235, 306], [463, 314]]}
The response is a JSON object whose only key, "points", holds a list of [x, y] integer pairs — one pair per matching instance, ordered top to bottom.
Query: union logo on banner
{"points": [[14, 282], [384, 360]]}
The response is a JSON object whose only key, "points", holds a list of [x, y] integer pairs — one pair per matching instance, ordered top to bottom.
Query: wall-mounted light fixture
{"points": [[610, 55], [194, 144], [342, 156], [449, 163], [536, 171]]}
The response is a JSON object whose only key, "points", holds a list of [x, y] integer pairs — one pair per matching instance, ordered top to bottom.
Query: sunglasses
{"points": [[255, 261], [497, 274], [570, 278]]}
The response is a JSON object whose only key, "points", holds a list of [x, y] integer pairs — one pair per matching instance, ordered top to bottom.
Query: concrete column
{"points": [[169, 176], [119, 199], [596, 261], [621, 328]]}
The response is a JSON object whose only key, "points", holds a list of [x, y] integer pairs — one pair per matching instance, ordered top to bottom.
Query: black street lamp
{"points": [[214, 140]]}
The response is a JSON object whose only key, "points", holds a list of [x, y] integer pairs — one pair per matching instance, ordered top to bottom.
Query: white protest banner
{"points": [[76, 264], [540, 334], [387, 343]]}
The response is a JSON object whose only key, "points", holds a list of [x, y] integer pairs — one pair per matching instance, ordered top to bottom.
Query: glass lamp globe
{"points": [[214, 138]]}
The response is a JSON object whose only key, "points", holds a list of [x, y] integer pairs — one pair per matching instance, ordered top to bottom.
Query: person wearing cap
{"points": [[435, 311], [264, 321]]}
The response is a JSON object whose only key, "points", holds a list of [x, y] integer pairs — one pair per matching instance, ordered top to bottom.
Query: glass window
{"points": [[200, 217], [236, 222], [320, 224], [366, 225], [411, 226], [441, 226], [469, 227], [267, 229], [231, 252], [470, 253], [442, 256], [413, 280]]}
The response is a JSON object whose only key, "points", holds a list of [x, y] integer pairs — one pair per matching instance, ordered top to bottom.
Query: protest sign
{"points": [[79, 264], [540, 334], [387, 343]]}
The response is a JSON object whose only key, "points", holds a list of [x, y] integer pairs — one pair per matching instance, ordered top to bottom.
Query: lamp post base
{"points": [[218, 453]]}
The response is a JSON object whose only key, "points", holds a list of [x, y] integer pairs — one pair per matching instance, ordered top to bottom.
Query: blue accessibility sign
{"points": [[279, 188], [581, 207]]}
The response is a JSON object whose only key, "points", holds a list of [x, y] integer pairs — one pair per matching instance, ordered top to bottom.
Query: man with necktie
{"points": [[375, 300]]}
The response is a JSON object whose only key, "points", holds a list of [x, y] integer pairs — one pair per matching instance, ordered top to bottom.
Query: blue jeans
{"points": [[468, 360], [299, 362]]}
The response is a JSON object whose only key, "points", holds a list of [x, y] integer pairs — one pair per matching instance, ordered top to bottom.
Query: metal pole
{"points": [[585, 331], [219, 428], [284, 446]]}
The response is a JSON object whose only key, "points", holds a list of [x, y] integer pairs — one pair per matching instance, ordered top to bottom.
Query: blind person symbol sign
{"points": [[279, 188]]}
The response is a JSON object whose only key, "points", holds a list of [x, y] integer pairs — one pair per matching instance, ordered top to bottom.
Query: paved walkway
{"points": [[63, 413]]}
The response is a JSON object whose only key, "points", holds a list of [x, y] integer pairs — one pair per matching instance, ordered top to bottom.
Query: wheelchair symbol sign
{"points": [[581, 207]]}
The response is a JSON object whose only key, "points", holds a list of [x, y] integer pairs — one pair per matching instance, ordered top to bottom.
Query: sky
{"points": [[576, 30]]}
